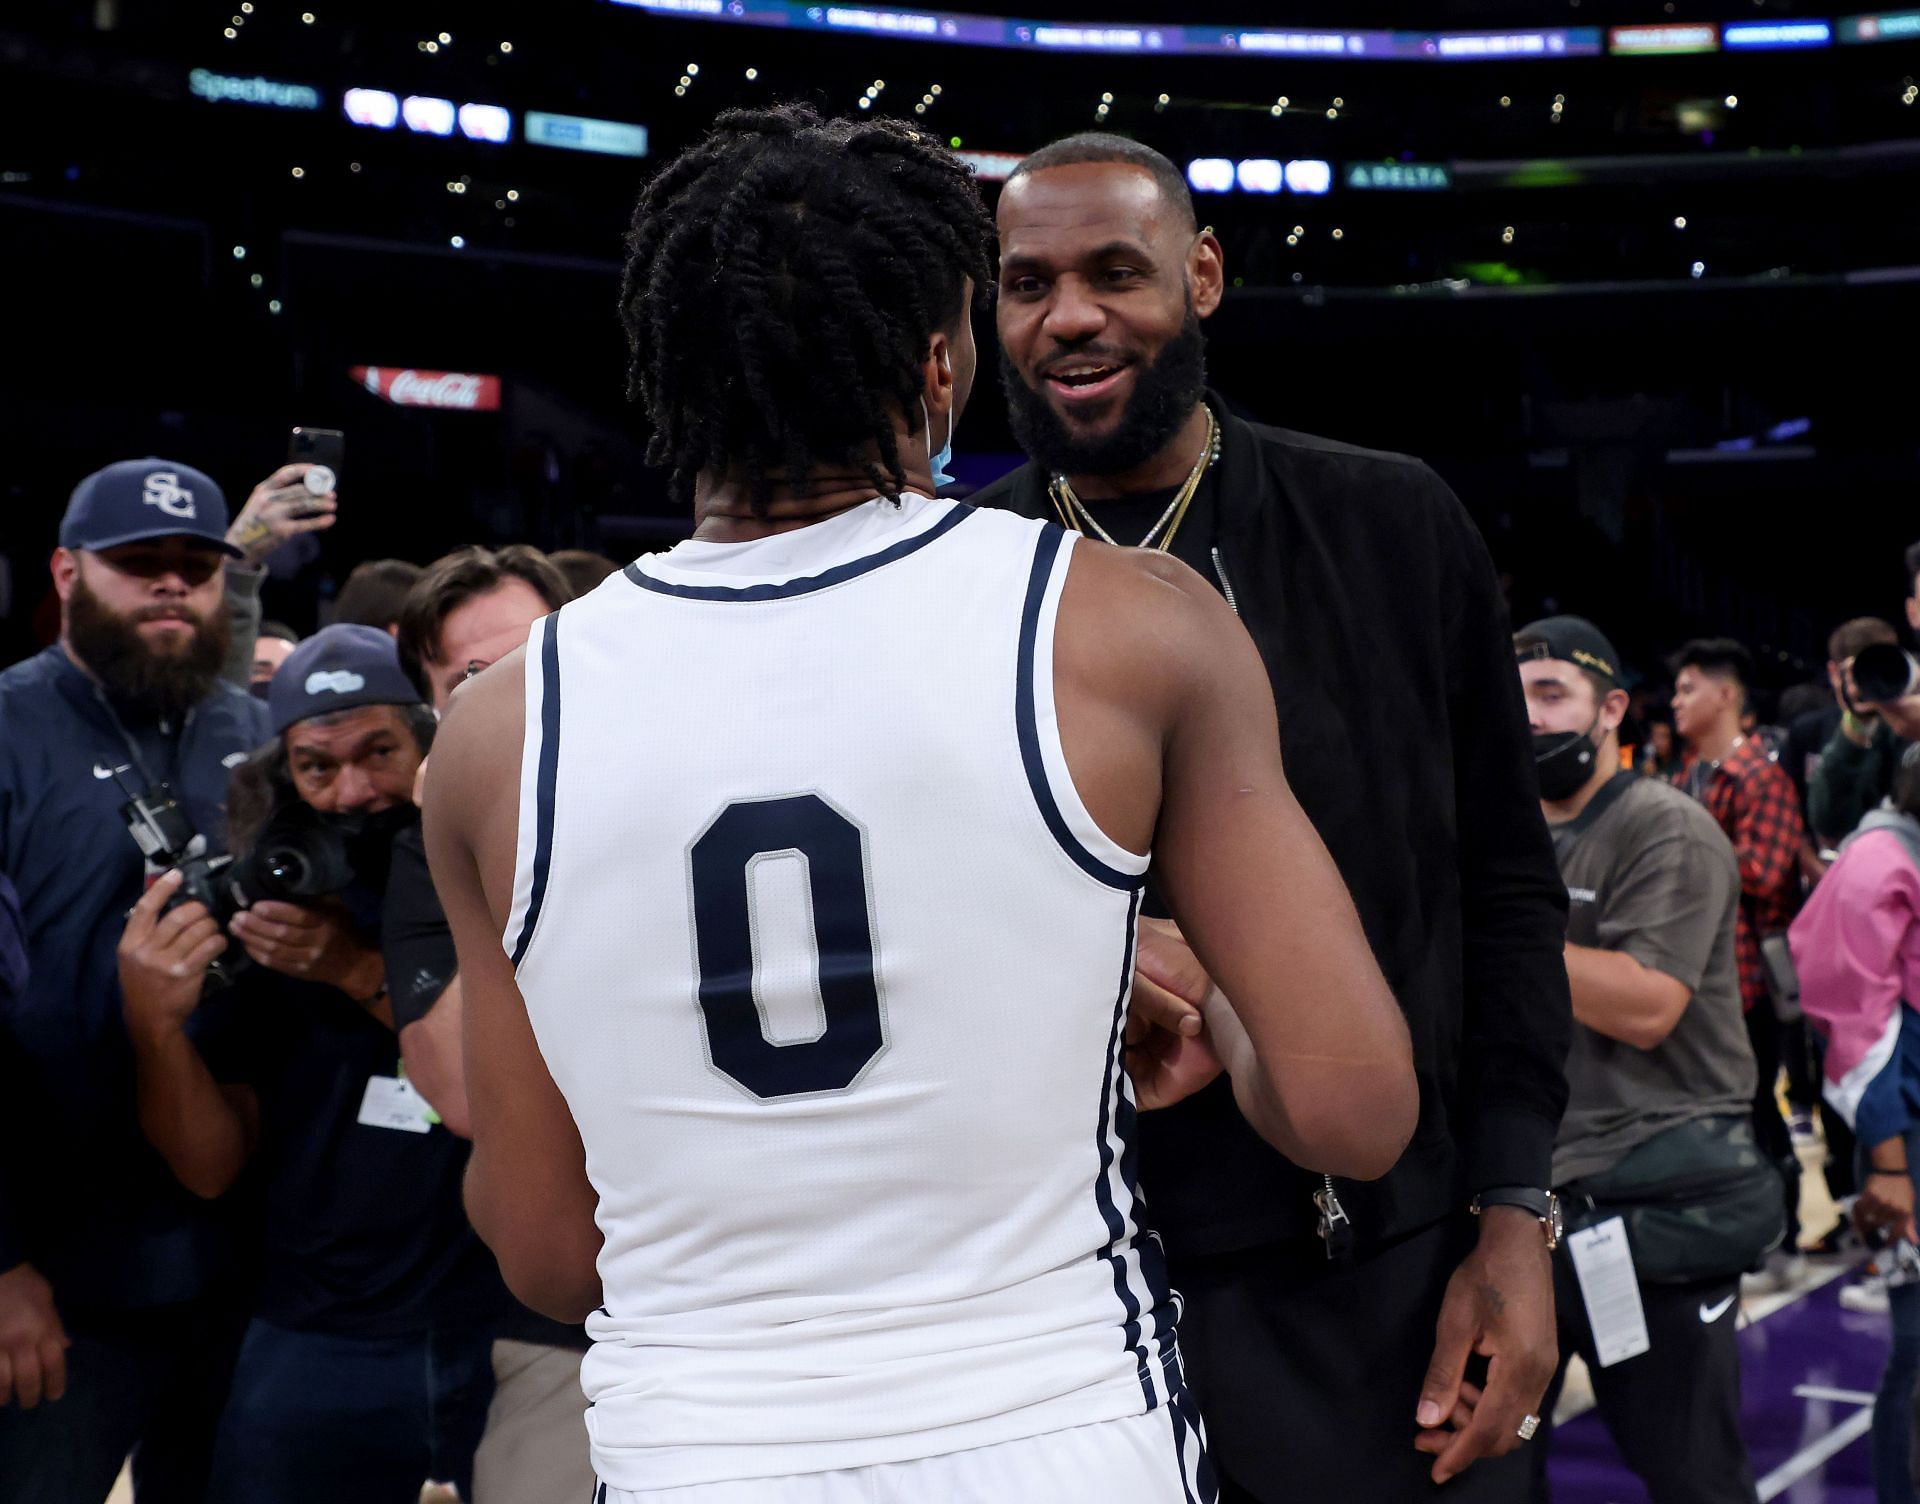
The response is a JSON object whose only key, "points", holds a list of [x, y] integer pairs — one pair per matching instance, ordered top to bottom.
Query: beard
{"points": [[1165, 392], [136, 675]]}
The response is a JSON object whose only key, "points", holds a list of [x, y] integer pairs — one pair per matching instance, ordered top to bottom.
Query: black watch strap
{"points": [[1526, 1197]]}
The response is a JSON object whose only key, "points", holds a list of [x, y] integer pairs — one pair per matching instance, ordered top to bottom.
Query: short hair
{"points": [[1094, 147], [784, 279], [583, 568], [1913, 568], [456, 578], [375, 592], [277, 629], [1862, 632], [1529, 645], [1721, 657]]}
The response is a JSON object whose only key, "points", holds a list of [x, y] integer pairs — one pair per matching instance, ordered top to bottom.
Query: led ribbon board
{"points": [[1120, 38]]}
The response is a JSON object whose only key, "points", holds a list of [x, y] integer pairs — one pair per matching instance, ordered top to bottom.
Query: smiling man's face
{"points": [[1103, 281]]}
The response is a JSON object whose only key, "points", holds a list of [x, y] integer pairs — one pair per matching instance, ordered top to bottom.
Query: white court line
{"points": [[1838, 1396], [1807, 1459]]}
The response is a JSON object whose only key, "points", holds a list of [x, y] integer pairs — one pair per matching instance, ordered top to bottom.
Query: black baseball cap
{"points": [[136, 501], [1571, 639], [338, 668]]}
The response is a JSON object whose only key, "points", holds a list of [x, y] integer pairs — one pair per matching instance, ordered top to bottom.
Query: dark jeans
{"points": [[1769, 1127], [1308, 1373], [150, 1383], [1893, 1405], [1674, 1411], [321, 1419]]}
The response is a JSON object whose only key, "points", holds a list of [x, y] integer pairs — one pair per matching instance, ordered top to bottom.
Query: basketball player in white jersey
{"points": [[795, 871]]}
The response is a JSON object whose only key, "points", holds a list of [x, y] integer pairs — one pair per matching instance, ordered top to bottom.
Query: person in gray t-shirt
{"points": [[1659, 1040]]}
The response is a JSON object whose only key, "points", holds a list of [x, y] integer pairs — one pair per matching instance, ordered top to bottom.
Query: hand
{"points": [[279, 508], [316, 945], [164, 955], [1167, 1054], [1885, 1204], [1498, 1304], [33, 1343]]}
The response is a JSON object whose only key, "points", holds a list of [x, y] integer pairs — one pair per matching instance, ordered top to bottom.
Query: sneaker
{"points": [[1783, 1271], [1868, 1295]]}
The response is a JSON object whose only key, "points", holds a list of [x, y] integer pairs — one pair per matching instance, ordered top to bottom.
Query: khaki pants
{"points": [[535, 1447]]}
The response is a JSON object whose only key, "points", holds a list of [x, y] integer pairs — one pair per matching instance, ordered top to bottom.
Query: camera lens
{"points": [[1882, 672], [288, 868]]}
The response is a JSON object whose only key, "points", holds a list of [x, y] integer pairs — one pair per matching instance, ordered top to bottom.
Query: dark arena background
{"points": [[1639, 278]]}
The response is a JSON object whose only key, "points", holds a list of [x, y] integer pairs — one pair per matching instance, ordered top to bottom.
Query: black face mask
{"points": [[1564, 760]]}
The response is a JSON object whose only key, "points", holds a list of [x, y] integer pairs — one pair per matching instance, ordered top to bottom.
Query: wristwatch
{"points": [[1543, 1204]]}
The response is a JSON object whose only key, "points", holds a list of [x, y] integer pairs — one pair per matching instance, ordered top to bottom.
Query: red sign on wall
{"points": [[463, 391]]}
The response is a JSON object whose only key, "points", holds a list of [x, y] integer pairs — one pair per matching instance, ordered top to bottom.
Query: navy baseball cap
{"points": [[136, 501], [1575, 640], [338, 668]]}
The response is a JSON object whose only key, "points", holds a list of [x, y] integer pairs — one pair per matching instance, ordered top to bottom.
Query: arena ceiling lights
{"points": [[1150, 40], [426, 115], [1259, 175]]}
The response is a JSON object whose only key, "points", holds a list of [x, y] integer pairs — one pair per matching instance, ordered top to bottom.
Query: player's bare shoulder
{"points": [[1137, 622]]}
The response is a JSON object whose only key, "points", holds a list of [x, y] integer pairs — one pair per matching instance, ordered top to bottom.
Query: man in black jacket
{"points": [[1405, 1341]]}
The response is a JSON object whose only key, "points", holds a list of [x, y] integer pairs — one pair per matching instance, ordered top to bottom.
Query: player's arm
{"points": [[1259, 898], [527, 1190]]}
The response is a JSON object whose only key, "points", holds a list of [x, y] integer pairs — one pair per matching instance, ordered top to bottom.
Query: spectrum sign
{"points": [[217, 88]]}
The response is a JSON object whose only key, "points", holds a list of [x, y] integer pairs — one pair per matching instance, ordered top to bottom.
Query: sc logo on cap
{"points": [[163, 490], [339, 681]]}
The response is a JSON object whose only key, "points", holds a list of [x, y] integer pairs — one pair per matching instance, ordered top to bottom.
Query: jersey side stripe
{"points": [[1052, 540], [838, 575], [549, 773], [1116, 1253]]}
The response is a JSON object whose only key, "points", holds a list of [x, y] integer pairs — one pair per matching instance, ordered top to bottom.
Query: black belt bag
{"points": [[1700, 1202]]}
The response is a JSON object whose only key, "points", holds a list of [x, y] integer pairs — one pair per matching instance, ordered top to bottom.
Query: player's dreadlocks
{"points": [[783, 280]]}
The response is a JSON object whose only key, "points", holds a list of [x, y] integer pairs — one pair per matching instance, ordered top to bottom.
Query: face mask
{"points": [[938, 462], [1564, 760]]}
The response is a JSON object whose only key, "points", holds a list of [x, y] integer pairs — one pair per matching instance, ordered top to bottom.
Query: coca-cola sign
{"points": [[462, 391]]}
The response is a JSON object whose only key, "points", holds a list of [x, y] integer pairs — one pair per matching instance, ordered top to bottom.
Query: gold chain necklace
{"points": [[1076, 514]]}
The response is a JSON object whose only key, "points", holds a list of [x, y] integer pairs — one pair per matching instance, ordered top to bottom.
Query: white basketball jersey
{"points": [[830, 963]]}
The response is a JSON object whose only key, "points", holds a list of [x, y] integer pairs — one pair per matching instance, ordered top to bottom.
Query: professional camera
{"points": [[1884, 672], [164, 832]]}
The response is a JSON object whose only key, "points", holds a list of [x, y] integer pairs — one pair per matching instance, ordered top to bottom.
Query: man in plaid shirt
{"points": [[1754, 800]]}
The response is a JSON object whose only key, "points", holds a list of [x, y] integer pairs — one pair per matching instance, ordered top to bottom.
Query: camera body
{"points": [[164, 832]]}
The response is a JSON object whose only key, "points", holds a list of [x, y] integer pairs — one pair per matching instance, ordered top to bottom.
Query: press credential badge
{"points": [[1604, 1264]]}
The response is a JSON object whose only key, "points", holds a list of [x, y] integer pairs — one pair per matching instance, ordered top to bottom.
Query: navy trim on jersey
{"points": [[1052, 540], [838, 575], [548, 775], [1102, 1192], [1186, 1422]]}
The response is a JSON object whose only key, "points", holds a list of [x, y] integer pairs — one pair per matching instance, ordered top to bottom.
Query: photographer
{"points": [[1857, 946], [1661, 1079], [109, 1273], [366, 1366]]}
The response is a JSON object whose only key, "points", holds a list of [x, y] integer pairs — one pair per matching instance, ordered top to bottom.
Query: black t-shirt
{"points": [[418, 944], [364, 1231]]}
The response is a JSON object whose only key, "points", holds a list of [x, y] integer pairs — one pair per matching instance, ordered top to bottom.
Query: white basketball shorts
{"points": [[1155, 1458]]}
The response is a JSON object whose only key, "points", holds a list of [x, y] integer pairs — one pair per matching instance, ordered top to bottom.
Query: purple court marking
{"points": [[1812, 1344]]}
